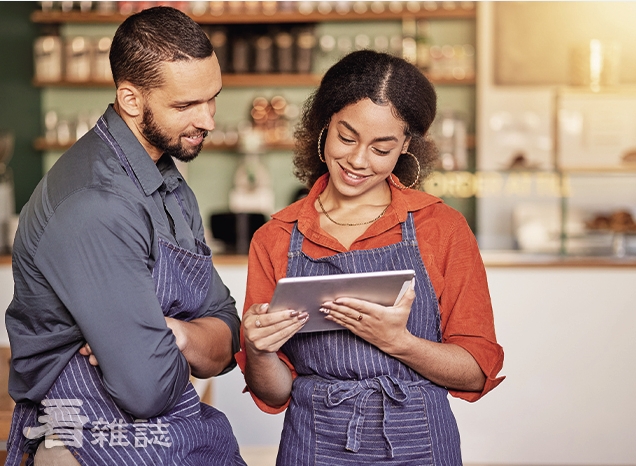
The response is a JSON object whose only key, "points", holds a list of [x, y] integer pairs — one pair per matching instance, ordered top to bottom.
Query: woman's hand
{"points": [[382, 326], [266, 332], [445, 364]]}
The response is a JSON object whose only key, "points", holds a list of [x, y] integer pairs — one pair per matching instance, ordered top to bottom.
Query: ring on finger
{"points": [[359, 318], [257, 323]]}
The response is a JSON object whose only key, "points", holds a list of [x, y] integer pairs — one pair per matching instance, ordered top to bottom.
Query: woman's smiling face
{"points": [[364, 141]]}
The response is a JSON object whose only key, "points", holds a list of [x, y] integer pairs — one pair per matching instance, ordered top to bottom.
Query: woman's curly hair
{"points": [[384, 79]]}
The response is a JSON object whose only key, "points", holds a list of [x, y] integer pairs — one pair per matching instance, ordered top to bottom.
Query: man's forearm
{"points": [[206, 344]]}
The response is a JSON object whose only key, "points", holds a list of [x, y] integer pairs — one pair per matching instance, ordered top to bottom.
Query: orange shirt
{"points": [[449, 251]]}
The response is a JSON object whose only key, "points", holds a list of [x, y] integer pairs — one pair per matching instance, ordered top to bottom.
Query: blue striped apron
{"points": [[353, 404], [78, 411]]}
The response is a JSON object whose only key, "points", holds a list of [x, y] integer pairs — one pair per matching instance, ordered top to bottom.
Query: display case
{"points": [[595, 153], [576, 197]]}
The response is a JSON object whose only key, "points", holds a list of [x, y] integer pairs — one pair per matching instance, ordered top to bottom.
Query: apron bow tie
{"points": [[392, 390]]}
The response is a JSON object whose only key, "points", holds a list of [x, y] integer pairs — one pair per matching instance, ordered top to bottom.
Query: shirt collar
{"points": [[171, 175], [151, 176], [403, 201]]}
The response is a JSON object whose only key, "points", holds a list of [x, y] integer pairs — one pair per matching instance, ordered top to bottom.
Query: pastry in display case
{"points": [[618, 221], [620, 225], [540, 228]]}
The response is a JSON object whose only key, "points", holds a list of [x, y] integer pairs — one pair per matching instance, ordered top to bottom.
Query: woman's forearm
{"points": [[445, 364], [268, 378]]}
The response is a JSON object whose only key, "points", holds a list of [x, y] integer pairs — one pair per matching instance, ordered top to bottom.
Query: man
{"points": [[116, 300]]}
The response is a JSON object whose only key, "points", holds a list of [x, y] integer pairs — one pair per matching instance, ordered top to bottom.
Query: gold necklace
{"points": [[349, 224]]}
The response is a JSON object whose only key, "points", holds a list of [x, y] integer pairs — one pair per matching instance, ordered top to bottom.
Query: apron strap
{"points": [[101, 128], [170, 200], [408, 230], [296, 242]]}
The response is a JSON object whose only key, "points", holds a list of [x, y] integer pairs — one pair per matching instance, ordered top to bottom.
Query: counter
{"points": [[491, 258], [504, 258], [567, 326]]}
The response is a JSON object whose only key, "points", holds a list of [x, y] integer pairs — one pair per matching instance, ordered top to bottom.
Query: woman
{"points": [[376, 391]]}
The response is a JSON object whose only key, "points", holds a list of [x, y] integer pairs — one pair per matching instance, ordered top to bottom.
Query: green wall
{"points": [[20, 107]]}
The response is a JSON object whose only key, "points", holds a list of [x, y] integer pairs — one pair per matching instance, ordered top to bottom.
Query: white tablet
{"points": [[308, 293]]}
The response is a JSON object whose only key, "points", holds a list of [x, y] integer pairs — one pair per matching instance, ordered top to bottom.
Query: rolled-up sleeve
{"points": [[465, 306]]}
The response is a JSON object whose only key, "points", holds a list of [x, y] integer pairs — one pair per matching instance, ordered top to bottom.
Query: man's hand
{"points": [[180, 334], [87, 351]]}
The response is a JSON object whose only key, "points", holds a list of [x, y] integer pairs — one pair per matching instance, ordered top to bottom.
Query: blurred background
{"points": [[536, 130]]}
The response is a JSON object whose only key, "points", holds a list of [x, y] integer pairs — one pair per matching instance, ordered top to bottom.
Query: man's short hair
{"points": [[147, 39]]}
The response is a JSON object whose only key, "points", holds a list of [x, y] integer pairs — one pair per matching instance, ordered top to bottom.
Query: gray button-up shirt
{"points": [[83, 255]]}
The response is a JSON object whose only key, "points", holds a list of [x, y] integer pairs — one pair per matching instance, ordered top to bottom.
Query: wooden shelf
{"points": [[58, 17], [229, 80], [248, 80], [270, 80], [74, 84], [471, 141], [42, 145], [277, 146], [608, 170]]}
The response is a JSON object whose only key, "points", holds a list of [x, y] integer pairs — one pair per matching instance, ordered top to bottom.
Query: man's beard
{"points": [[155, 136]]}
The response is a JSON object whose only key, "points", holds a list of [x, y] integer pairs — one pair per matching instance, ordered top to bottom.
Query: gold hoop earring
{"points": [[320, 156], [419, 168]]}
